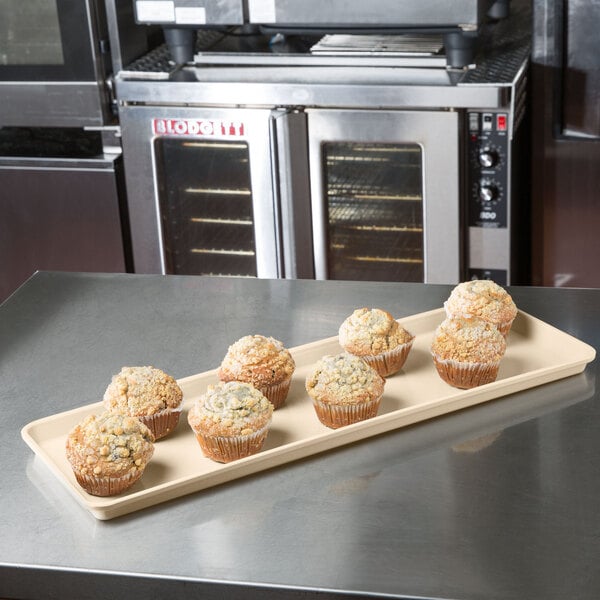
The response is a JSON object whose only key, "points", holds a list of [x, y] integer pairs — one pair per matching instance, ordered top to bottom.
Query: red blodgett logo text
{"points": [[198, 127]]}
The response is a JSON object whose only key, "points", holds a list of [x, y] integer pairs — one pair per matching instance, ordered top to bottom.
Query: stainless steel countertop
{"points": [[409, 514]]}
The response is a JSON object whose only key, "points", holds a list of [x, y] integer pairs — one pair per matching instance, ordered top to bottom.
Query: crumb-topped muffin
{"points": [[484, 299], [375, 336], [467, 352], [263, 362], [344, 389], [147, 393], [231, 420], [108, 453]]}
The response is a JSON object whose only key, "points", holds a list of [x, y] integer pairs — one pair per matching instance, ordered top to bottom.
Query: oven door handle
{"points": [[291, 182]]}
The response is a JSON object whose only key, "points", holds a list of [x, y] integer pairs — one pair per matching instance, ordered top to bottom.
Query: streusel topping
{"points": [[481, 298], [370, 331], [468, 340], [258, 360], [344, 379], [142, 391], [231, 408], [109, 445]]}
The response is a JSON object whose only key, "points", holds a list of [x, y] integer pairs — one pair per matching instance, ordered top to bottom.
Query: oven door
{"points": [[53, 54], [200, 191], [385, 195]]}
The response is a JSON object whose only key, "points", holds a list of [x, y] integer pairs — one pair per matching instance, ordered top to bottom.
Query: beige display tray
{"points": [[537, 353]]}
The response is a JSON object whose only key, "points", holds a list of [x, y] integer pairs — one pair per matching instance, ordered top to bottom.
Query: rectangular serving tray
{"points": [[537, 353]]}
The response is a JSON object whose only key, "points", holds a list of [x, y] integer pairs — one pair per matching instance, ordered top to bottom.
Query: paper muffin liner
{"points": [[390, 362], [466, 375], [277, 393], [338, 415], [162, 422], [224, 449], [107, 486]]}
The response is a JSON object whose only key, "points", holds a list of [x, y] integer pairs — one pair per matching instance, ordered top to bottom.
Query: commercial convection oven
{"points": [[285, 158]]}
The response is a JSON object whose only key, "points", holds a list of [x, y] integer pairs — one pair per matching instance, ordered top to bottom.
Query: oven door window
{"points": [[45, 40], [374, 197], [206, 207]]}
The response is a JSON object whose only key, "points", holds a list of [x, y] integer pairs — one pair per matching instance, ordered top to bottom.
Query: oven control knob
{"points": [[488, 158], [488, 192]]}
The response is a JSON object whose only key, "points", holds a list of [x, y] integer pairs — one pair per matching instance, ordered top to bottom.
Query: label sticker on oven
{"points": [[162, 11], [262, 11], [188, 15], [198, 127]]}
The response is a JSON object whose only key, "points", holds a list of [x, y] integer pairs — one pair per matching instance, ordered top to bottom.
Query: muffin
{"points": [[483, 299], [375, 336], [467, 352], [262, 362], [344, 390], [148, 394], [231, 420], [108, 453]]}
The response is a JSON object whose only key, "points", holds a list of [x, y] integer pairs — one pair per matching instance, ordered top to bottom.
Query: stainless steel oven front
{"points": [[262, 163], [272, 192], [385, 194], [388, 195], [202, 197]]}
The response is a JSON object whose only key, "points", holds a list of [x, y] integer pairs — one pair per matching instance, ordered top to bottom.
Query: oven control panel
{"points": [[487, 169]]}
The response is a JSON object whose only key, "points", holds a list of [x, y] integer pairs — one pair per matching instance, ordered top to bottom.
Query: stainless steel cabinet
{"points": [[332, 194], [59, 215]]}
